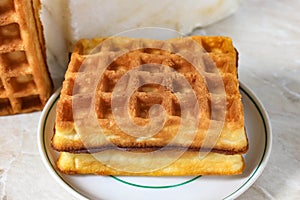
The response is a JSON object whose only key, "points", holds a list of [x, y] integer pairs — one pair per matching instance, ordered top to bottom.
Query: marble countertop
{"points": [[267, 36]]}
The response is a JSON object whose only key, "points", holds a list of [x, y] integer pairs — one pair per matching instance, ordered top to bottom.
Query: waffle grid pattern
{"points": [[86, 66], [149, 94]]}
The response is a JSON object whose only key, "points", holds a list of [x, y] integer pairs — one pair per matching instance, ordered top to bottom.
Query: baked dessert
{"points": [[25, 83], [108, 99], [188, 164]]}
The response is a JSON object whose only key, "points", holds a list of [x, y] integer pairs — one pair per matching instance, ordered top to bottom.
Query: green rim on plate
{"points": [[266, 141]]}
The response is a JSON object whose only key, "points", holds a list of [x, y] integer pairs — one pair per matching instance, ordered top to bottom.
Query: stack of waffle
{"points": [[25, 83], [108, 121]]}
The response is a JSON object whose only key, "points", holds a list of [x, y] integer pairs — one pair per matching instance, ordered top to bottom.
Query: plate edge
{"points": [[268, 143]]}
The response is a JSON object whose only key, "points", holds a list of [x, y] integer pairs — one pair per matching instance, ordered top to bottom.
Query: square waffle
{"points": [[98, 75], [25, 83]]}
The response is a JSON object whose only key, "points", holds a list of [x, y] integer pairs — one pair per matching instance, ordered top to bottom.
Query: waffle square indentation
{"points": [[6, 6], [9, 33], [16, 60], [22, 83], [28, 102], [144, 104], [5, 106]]}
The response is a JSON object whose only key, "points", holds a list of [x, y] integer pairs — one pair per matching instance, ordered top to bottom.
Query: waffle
{"points": [[98, 75], [25, 83], [188, 164]]}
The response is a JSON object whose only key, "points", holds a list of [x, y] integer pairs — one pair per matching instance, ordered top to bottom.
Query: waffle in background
{"points": [[25, 83]]}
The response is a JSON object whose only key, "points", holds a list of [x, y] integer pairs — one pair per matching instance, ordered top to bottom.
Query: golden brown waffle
{"points": [[25, 83], [232, 139]]}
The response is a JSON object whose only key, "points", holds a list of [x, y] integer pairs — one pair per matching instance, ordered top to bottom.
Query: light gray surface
{"points": [[267, 36]]}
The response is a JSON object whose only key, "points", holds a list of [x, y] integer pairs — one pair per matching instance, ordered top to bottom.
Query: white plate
{"points": [[200, 187]]}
